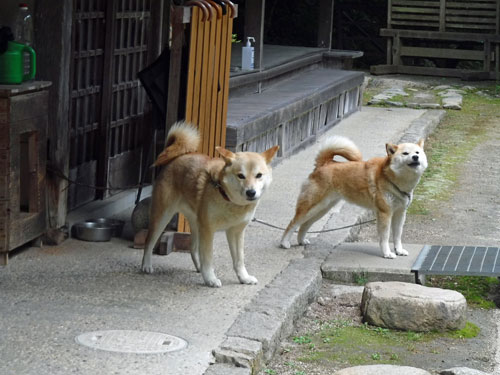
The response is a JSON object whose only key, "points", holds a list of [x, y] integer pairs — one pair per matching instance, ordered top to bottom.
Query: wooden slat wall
{"points": [[478, 16], [208, 76]]}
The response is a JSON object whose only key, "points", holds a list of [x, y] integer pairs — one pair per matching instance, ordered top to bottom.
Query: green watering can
{"points": [[12, 64]]}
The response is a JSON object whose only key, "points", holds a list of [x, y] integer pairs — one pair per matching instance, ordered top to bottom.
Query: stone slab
{"points": [[353, 262]]}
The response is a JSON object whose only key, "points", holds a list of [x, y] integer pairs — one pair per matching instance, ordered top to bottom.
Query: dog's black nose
{"points": [[415, 157], [251, 193]]}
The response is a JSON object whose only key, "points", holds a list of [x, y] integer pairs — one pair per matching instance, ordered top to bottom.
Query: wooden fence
{"points": [[207, 87]]}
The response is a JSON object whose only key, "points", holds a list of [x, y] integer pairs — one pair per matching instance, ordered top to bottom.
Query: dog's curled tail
{"points": [[183, 138], [337, 145]]}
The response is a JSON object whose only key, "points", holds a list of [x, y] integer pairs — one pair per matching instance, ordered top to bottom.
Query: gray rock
{"points": [[442, 87], [394, 103], [424, 105], [412, 307], [382, 370], [462, 371]]}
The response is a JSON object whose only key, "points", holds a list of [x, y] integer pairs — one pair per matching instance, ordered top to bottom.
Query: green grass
{"points": [[448, 148], [475, 289], [346, 344]]}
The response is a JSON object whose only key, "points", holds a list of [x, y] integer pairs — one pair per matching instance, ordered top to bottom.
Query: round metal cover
{"points": [[128, 341]]}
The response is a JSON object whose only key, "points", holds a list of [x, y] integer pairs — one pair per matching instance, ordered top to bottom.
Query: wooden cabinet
{"points": [[23, 153]]}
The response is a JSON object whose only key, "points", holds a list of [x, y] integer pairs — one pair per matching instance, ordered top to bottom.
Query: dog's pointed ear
{"points": [[421, 142], [390, 148], [227, 155], [268, 155]]}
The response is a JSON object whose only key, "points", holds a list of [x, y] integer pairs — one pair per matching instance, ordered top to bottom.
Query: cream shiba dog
{"points": [[383, 184], [213, 193]]}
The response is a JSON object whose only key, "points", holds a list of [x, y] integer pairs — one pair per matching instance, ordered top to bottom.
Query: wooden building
{"points": [[100, 119]]}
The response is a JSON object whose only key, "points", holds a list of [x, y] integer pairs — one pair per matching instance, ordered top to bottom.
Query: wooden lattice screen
{"points": [[109, 47], [208, 75]]}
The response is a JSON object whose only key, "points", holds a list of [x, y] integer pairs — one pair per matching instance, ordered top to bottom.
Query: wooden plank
{"points": [[409, 3], [406, 10], [434, 25], [455, 36], [442, 53], [192, 62], [223, 65], [205, 66], [210, 72], [225, 88], [214, 125]]}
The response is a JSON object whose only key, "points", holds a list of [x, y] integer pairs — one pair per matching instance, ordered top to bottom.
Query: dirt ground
{"points": [[468, 214]]}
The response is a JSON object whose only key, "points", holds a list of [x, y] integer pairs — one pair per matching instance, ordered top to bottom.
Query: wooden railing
{"points": [[442, 29]]}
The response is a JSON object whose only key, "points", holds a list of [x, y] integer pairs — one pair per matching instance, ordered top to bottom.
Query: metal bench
{"points": [[439, 29]]}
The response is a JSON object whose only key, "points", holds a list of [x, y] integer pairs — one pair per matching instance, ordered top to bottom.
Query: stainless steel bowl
{"points": [[116, 224], [91, 231]]}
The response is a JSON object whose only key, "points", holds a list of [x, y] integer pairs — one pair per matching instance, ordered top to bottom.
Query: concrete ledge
{"points": [[423, 126], [270, 316]]}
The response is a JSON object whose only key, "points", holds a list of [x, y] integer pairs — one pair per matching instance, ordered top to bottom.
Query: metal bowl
{"points": [[116, 224], [92, 231]]}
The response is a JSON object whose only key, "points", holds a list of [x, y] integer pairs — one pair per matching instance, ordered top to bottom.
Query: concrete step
{"points": [[294, 112]]}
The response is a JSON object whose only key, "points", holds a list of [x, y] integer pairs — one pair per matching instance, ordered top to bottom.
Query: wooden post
{"points": [[325, 23], [54, 24], [254, 26], [389, 26], [107, 94]]}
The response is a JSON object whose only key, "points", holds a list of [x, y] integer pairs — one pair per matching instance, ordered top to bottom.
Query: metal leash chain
{"points": [[317, 231]]}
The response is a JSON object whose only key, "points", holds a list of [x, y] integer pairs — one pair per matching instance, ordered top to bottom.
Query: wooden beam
{"points": [[54, 23], [325, 23], [254, 26]]}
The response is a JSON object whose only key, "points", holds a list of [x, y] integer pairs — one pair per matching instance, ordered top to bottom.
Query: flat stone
{"points": [[442, 87], [452, 103], [394, 104], [424, 105], [412, 307], [382, 370], [462, 371]]}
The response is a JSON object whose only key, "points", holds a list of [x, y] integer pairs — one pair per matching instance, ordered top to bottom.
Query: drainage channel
{"points": [[130, 341]]}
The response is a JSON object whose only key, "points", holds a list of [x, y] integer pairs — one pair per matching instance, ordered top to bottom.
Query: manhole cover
{"points": [[128, 341]]}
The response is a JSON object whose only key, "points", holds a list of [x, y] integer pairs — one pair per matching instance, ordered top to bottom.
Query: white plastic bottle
{"points": [[23, 32], [247, 55]]}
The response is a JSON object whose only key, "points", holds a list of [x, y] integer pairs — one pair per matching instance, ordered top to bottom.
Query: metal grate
{"points": [[458, 260]]}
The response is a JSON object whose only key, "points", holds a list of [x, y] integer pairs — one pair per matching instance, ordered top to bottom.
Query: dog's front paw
{"points": [[304, 242], [285, 244], [401, 252], [390, 255], [147, 267], [249, 280], [213, 283]]}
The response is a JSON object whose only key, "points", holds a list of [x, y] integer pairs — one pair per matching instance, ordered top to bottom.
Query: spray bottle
{"points": [[247, 55]]}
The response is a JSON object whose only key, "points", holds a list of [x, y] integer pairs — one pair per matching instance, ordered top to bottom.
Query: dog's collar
{"points": [[219, 187], [401, 192]]}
